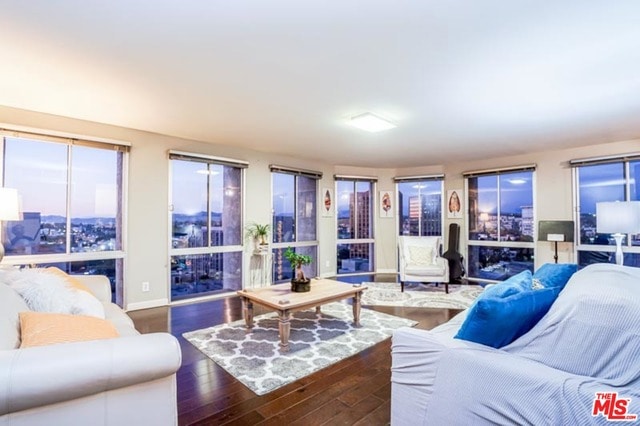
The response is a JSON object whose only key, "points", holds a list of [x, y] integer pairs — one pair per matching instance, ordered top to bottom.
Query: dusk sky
{"points": [[38, 170]]}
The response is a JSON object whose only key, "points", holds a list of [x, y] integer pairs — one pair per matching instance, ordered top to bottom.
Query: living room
{"points": [[133, 110]]}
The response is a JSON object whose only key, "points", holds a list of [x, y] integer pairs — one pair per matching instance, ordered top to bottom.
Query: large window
{"points": [[599, 181], [72, 196], [294, 201], [420, 206], [354, 209], [206, 223], [501, 223]]}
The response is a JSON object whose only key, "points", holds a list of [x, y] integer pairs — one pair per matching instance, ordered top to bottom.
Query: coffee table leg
{"points": [[356, 309], [248, 312], [318, 312], [284, 327]]}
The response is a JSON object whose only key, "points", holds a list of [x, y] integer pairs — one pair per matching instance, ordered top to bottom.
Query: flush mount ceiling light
{"points": [[371, 122]]}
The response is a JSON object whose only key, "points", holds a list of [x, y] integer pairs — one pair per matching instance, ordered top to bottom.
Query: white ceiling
{"points": [[462, 79]]}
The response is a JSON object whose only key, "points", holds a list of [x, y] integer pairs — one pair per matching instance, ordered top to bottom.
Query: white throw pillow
{"points": [[421, 255], [46, 292]]}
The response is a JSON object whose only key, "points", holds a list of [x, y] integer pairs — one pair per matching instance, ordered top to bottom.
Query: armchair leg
{"points": [[402, 286], [446, 288]]}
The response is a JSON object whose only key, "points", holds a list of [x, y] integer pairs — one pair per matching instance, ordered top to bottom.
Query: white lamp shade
{"points": [[9, 204], [618, 217]]}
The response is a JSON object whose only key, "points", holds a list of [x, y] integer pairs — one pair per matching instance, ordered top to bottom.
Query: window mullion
{"points": [[68, 204], [498, 207], [295, 209], [356, 210], [208, 237]]}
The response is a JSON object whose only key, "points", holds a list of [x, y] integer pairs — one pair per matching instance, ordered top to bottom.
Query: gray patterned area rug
{"points": [[420, 295], [316, 341]]}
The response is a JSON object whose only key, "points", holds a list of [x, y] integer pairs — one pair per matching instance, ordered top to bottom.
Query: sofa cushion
{"points": [[421, 255], [423, 270], [555, 274], [46, 292], [11, 304], [506, 311], [40, 328]]}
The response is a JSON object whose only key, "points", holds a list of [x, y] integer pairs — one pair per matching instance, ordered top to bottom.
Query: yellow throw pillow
{"points": [[70, 279], [40, 329]]}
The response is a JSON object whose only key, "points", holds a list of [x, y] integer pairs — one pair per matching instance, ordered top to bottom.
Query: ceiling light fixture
{"points": [[371, 123]]}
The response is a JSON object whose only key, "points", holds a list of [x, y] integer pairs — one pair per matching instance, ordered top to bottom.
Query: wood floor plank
{"points": [[321, 394], [357, 412], [379, 416]]}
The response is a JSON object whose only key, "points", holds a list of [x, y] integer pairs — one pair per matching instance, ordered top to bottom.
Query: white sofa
{"points": [[588, 342], [129, 380]]}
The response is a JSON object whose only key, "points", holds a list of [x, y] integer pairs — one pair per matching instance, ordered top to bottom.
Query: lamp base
{"points": [[619, 254]]}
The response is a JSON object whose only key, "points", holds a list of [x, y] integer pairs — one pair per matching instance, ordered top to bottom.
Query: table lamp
{"points": [[9, 209], [618, 218]]}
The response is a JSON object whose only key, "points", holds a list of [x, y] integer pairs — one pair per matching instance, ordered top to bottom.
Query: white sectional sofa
{"points": [[128, 380]]}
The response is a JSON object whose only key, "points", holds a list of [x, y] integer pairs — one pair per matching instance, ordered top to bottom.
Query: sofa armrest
{"points": [[444, 264], [99, 285], [416, 356], [33, 377], [438, 380]]}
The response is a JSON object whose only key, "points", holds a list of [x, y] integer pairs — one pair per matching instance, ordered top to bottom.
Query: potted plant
{"points": [[260, 234], [299, 283]]}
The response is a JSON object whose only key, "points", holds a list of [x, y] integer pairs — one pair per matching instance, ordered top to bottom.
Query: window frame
{"points": [[417, 180], [352, 241], [296, 243], [497, 243], [627, 245], [208, 249], [68, 257]]}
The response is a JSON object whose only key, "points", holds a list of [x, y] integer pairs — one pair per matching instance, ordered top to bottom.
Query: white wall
{"points": [[148, 224]]}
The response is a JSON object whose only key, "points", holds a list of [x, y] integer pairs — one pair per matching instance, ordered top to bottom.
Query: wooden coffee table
{"points": [[281, 299]]}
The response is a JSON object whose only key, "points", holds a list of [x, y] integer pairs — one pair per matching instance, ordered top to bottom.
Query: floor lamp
{"points": [[9, 209], [618, 218], [558, 231]]}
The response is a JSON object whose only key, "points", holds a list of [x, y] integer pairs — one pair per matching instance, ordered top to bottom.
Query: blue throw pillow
{"points": [[555, 274], [514, 284], [499, 317]]}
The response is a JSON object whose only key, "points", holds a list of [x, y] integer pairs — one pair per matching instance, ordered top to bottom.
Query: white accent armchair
{"points": [[420, 261]]}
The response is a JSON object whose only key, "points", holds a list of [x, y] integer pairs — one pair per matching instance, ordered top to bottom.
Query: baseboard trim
{"points": [[386, 271], [147, 304]]}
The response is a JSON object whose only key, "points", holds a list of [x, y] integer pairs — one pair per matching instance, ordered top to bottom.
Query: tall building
{"points": [[360, 215], [526, 226]]}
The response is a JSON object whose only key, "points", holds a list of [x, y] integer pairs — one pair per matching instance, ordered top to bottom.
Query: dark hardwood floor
{"points": [[355, 391]]}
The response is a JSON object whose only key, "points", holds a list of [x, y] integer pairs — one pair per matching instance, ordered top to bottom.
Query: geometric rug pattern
{"points": [[420, 295], [315, 342]]}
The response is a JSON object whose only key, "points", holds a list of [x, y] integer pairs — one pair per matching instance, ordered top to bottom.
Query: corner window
{"points": [[596, 182], [71, 193], [420, 206], [354, 209], [294, 221], [206, 222], [501, 224]]}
